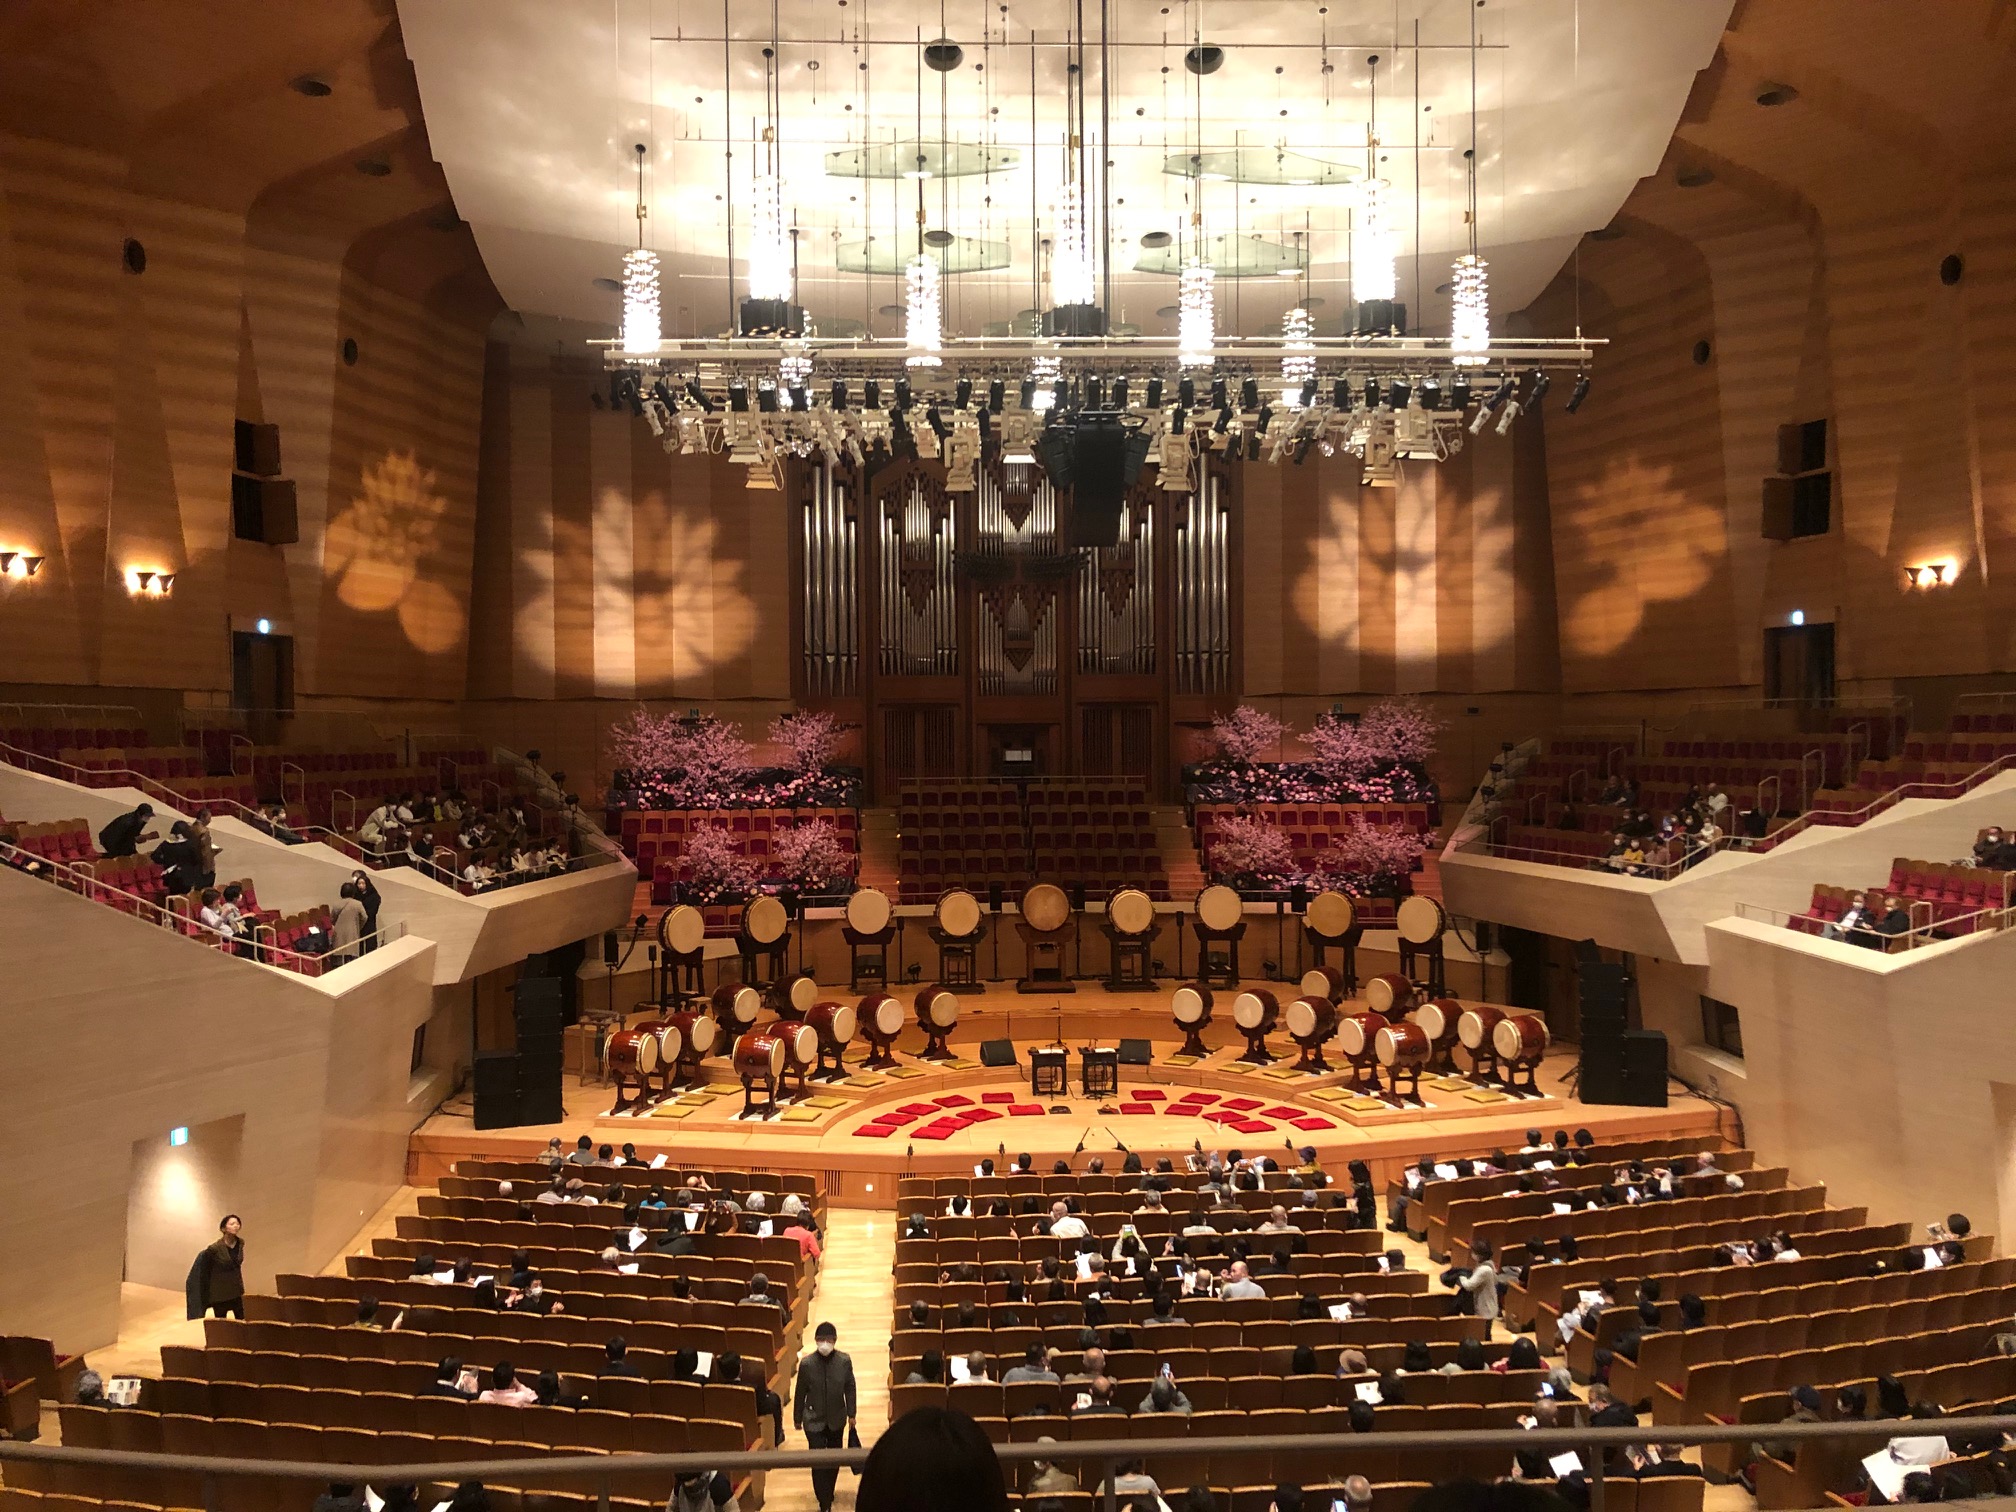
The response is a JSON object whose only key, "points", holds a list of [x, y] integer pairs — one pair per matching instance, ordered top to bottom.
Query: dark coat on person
{"points": [[217, 1276]]}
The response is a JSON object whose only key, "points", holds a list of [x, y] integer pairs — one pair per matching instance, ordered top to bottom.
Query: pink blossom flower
{"points": [[1247, 734], [812, 737], [809, 854]]}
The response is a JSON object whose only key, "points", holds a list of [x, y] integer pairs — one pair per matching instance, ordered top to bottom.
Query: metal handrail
{"points": [[69, 710], [33, 761], [1777, 785], [1806, 785], [1850, 818], [1644, 871], [88, 887], [1998, 918], [604, 1469]]}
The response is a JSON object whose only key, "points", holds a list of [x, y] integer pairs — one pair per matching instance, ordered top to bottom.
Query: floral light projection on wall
{"points": [[379, 552]]}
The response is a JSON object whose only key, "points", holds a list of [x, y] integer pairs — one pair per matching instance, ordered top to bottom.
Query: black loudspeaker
{"points": [[256, 448], [1098, 483], [264, 509], [994, 896], [1078, 896], [1298, 898], [1486, 940], [609, 948], [536, 992], [997, 1052], [1134, 1052], [1645, 1061], [495, 1078]]}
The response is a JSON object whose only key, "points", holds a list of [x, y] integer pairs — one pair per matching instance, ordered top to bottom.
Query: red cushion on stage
{"points": [[1151, 1094], [997, 1097], [1198, 1098], [954, 1100], [1242, 1104], [1137, 1107], [920, 1110], [1024, 1110], [1278, 1111], [982, 1115], [1223, 1116], [896, 1120], [1313, 1123], [1253, 1126], [874, 1131], [935, 1131]]}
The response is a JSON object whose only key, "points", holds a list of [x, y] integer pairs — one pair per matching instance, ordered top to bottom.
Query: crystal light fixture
{"points": [[1373, 246], [769, 251], [1071, 276], [640, 302], [1470, 311], [924, 316], [1195, 336], [1298, 364], [1043, 374]]}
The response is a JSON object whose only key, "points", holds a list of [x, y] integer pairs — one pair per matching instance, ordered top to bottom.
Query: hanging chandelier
{"points": [[1374, 248], [769, 251], [1071, 271], [640, 283], [1470, 311], [923, 312], [1195, 335], [1298, 361]]}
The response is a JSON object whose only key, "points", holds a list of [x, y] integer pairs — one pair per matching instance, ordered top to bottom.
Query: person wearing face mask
{"points": [[823, 1405]]}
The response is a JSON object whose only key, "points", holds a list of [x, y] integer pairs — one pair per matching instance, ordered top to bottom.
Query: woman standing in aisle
{"points": [[217, 1279]]}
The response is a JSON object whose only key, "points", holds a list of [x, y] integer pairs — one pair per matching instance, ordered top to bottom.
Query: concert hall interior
{"points": [[678, 671]]}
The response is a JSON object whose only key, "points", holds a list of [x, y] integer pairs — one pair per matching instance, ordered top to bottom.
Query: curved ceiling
{"points": [[533, 108]]}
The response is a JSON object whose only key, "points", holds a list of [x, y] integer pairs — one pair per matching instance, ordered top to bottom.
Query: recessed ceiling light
{"points": [[1204, 60], [311, 85], [1776, 94], [374, 168], [1694, 178], [938, 238], [1155, 239], [1314, 302]]}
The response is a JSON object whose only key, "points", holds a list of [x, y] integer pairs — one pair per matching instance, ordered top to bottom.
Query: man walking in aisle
{"points": [[823, 1404]]}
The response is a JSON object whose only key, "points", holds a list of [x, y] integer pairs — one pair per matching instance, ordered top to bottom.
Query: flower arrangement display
{"points": [[1247, 734], [812, 736], [1380, 757], [674, 761], [1246, 847], [809, 855], [718, 868]]}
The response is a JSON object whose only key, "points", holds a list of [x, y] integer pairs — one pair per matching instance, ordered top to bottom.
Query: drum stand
{"points": [[1347, 947], [778, 956], [870, 956], [1043, 959], [959, 960], [1133, 962], [1219, 966], [685, 978], [1437, 985], [1193, 1041], [934, 1043], [1256, 1048], [881, 1053], [1310, 1057], [832, 1062], [1484, 1068], [685, 1070], [1365, 1074], [1412, 1076], [622, 1079], [1519, 1080], [791, 1085], [752, 1105]]}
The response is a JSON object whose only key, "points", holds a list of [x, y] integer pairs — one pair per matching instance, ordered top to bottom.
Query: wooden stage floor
{"points": [[820, 1134]]}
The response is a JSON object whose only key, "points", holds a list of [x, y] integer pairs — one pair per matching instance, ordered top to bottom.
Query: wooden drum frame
{"points": [[1044, 919], [1420, 921], [1220, 922], [1330, 922], [1129, 924], [958, 925], [869, 926], [764, 935], [682, 941], [1193, 997], [1263, 1009], [937, 1011], [879, 1018], [1438, 1019], [1311, 1022], [835, 1024], [1362, 1029], [1520, 1041], [1405, 1051], [632, 1058], [758, 1058]]}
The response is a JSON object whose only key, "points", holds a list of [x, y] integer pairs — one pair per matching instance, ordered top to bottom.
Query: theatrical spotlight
{"points": [[1541, 383], [997, 391], [1120, 393], [1154, 393], [1578, 393], [1249, 394], [837, 396], [873, 400], [1507, 415]]}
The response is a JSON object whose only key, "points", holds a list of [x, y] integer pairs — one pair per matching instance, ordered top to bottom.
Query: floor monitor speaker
{"points": [[998, 1052], [1135, 1052]]}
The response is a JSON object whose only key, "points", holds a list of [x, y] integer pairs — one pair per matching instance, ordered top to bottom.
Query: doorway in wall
{"points": [[1799, 665], [262, 682], [183, 1182]]}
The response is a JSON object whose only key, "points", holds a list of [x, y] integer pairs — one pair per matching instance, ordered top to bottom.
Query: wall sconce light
{"points": [[19, 564], [1931, 575], [149, 583]]}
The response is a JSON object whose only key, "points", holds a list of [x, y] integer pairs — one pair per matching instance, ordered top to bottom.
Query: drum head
{"points": [[1045, 907], [1218, 907], [868, 911], [1131, 911], [958, 913], [1331, 915], [764, 920], [1419, 920], [682, 930], [1323, 982], [1388, 993], [803, 994], [744, 1004], [1190, 1004], [1252, 1009], [943, 1010], [888, 1017], [1301, 1018], [1436, 1018], [840, 1026], [1477, 1027], [701, 1034], [1356, 1035], [1519, 1039], [802, 1041], [671, 1043], [1384, 1045], [1400, 1045], [644, 1049], [776, 1055]]}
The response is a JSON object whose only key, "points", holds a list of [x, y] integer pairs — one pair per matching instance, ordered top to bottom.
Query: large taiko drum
{"points": [[1045, 908], [1219, 908], [868, 911], [1130, 911], [958, 914], [1331, 915], [1419, 920], [764, 921], [682, 930], [1323, 982], [1389, 993], [799, 994], [736, 1004], [1191, 1006], [937, 1009], [1255, 1010], [881, 1015], [1311, 1020], [1438, 1020], [834, 1022], [1476, 1028], [699, 1031], [1354, 1035], [1520, 1039], [671, 1042], [801, 1043], [1402, 1047], [633, 1054], [759, 1055]]}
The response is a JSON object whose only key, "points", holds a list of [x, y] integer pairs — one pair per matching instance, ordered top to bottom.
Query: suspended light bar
{"points": [[1374, 246], [769, 249], [640, 302], [1470, 312], [924, 315], [1195, 334], [1298, 361]]}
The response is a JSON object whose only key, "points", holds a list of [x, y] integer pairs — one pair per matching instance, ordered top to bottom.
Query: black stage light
{"points": [[1541, 383], [1095, 391], [662, 392], [996, 392], [1186, 392], [1504, 392], [903, 393], [962, 393], [1028, 393], [1120, 393], [1154, 393], [1371, 393], [1578, 393], [1249, 394], [1340, 394], [1397, 394], [1431, 394], [837, 395], [874, 395], [1060, 395], [1218, 395], [1459, 395], [699, 396], [738, 397], [766, 399], [800, 400], [1266, 418], [937, 421], [1222, 423], [1252, 446], [1301, 453]]}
